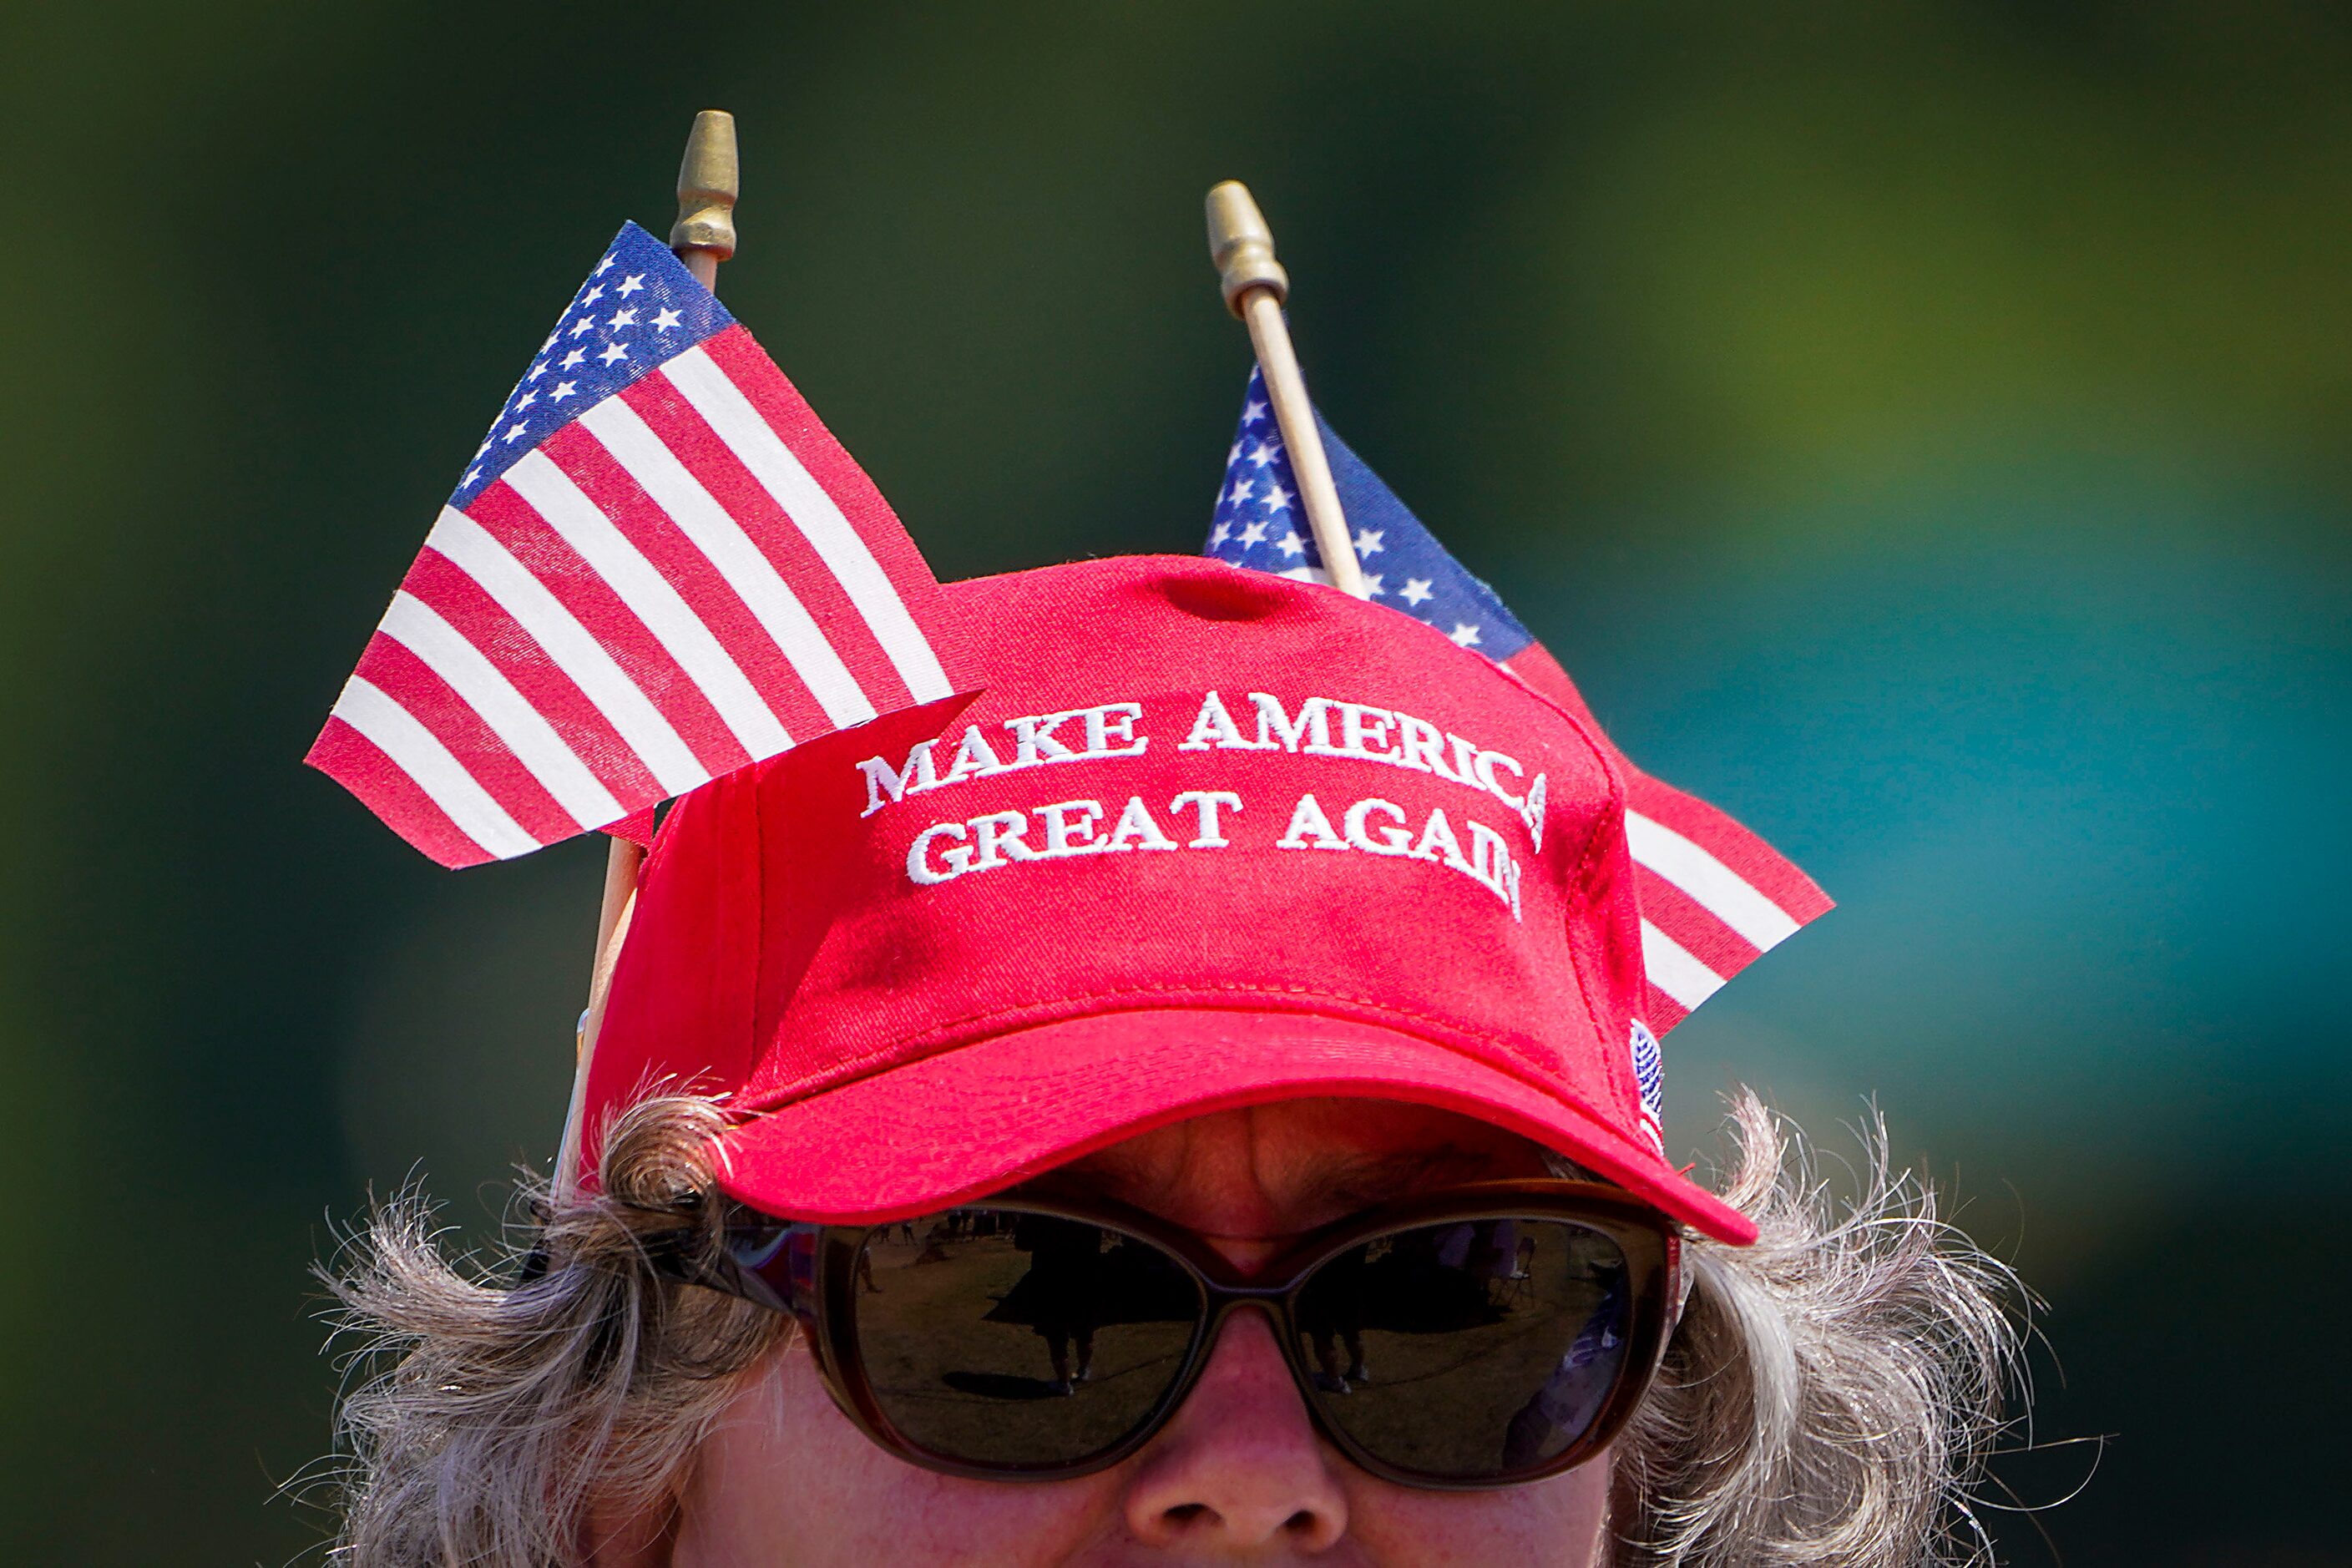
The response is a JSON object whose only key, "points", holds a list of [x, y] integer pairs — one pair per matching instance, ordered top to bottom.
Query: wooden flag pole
{"points": [[704, 235], [1255, 286]]}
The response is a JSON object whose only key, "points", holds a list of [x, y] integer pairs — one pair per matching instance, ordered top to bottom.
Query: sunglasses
{"points": [[1483, 1336]]}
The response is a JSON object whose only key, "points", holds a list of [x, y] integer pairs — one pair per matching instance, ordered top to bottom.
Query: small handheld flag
{"points": [[659, 567], [1714, 897]]}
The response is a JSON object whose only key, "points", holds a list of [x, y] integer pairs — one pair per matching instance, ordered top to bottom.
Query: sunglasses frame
{"points": [[809, 1270]]}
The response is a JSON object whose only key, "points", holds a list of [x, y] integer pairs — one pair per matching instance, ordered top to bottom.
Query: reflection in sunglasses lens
{"points": [[1001, 1338], [1468, 1350]]}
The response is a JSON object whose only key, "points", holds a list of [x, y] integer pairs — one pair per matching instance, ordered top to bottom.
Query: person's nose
{"points": [[1239, 1468]]}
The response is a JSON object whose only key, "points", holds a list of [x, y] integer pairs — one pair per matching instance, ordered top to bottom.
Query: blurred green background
{"points": [[1921, 428]]}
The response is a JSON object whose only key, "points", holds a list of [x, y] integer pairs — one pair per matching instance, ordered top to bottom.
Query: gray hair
{"points": [[1833, 1392], [1829, 1399]]}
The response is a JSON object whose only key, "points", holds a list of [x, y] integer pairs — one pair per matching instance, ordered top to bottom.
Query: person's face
{"points": [[1238, 1475]]}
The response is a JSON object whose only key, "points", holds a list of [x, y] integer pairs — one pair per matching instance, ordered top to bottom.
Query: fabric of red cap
{"points": [[1209, 838]]}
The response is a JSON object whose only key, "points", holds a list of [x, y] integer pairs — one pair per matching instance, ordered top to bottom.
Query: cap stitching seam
{"points": [[1581, 899], [1251, 987]]}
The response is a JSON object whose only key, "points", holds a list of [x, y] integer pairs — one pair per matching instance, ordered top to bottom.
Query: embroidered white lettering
{"points": [[1114, 721], [1214, 727], [1276, 728], [1109, 732], [1364, 733], [1033, 736], [1421, 746], [974, 759], [1465, 762], [1488, 763], [898, 782], [1207, 802], [1136, 823], [1309, 828], [1068, 829], [1064, 837], [996, 839], [1394, 840], [1438, 843], [1488, 856], [954, 862], [1489, 865]]}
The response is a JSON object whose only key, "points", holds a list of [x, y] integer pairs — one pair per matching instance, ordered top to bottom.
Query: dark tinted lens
{"points": [[999, 1338], [1468, 1350]]}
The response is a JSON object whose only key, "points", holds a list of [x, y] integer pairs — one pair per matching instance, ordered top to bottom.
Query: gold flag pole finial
{"points": [[708, 180], [1242, 246], [1255, 286]]}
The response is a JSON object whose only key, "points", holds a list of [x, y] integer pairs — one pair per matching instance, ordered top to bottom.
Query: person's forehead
{"points": [[1294, 1164]]}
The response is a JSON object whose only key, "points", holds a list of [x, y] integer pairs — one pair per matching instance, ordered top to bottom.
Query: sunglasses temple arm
{"points": [[774, 1267]]}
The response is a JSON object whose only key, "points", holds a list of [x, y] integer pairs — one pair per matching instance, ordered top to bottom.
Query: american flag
{"points": [[659, 567], [1714, 897]]}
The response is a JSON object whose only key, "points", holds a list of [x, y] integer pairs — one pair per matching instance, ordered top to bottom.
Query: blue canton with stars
{"points": [[640, 308], [1260, 523]]}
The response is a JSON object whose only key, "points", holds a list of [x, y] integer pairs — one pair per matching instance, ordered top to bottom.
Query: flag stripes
{"points": [[677, 495], [808, 505], [674, 556], [665, 587], [656, 605], [586, 657], [479, 685], [433, 703], [593, 736], [418, 752], [1718, 896], [1714, 897], [1679, 981]]}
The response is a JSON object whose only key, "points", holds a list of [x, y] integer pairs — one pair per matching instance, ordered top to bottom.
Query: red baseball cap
{"points": [[1209, 838]]}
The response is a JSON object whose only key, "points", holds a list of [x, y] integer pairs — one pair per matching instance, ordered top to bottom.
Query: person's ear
{"points": [[616, 1540]]}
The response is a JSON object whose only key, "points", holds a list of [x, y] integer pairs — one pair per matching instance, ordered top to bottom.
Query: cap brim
{"points": [[970, 1121]]}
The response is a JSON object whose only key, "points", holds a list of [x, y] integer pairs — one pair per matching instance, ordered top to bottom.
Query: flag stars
{"points": [[595, 349], [1261, 523]]}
